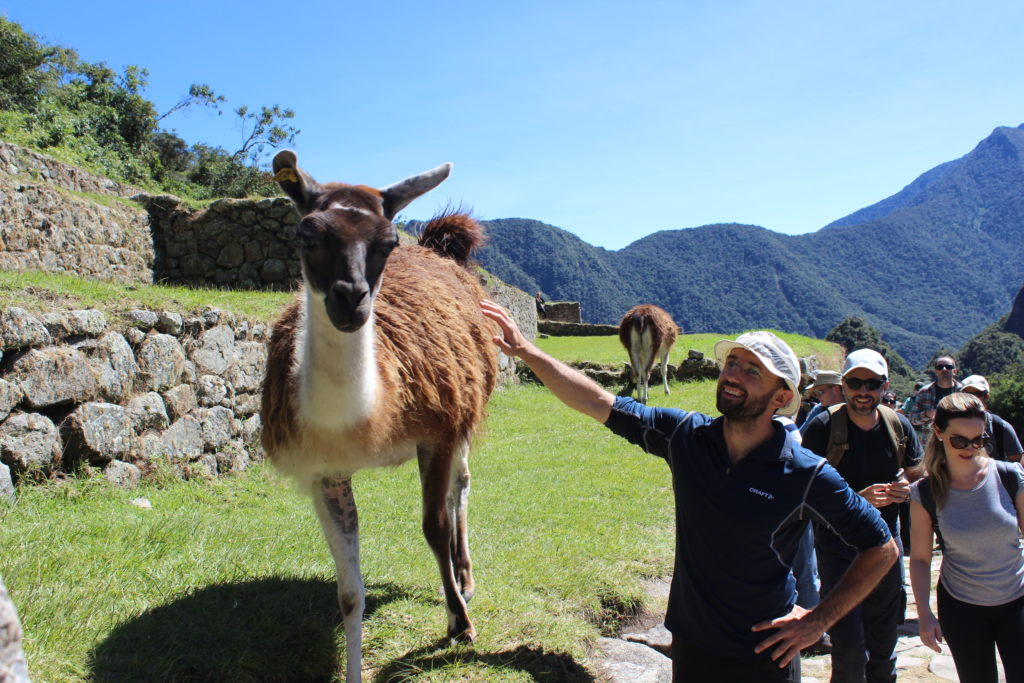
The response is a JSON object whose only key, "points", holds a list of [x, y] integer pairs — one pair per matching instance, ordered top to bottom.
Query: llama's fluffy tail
{"points": [[453, 234]]}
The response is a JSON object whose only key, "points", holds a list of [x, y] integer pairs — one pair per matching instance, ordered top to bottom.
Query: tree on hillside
{"points": [[854, 333], [991, 351], [1007, 399]]}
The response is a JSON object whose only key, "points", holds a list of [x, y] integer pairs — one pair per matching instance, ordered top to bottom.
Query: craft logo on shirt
{"points": [[763, 494]]}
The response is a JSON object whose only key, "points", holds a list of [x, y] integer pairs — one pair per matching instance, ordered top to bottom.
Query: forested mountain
{"points": [[929, 266]]}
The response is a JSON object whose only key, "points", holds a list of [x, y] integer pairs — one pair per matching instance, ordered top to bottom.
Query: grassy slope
{"points": [[231, 579]]}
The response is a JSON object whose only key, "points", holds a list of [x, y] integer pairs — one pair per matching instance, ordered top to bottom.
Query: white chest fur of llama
{"points": [[648, 333], [384, 356]]}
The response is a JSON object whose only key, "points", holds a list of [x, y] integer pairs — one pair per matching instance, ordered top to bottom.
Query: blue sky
{"points": [[611, 120]]}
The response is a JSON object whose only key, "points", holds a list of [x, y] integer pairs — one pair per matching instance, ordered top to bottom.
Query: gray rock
{"points": [[274, 270], [211, 317], [144, 320], [170, 322], [82, 323], [20, 329], [135, 336], [214, 351], [161, 361], [113, 363], [189, 375], [246, 375], [54, 376], [211, 390], [10, 396], [180, 401], [246, 404], [147, 412], [218, 426], [251, 429], [97, 432], [183, 440], [30, 442], [148, 448], [233, 458], [204, 467], [124, 474], [6, 485], [633, 663], [13, 668]]}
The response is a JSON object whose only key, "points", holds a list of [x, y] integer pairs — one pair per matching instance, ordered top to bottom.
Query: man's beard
{"points": [[748, 410], [861, 410]]}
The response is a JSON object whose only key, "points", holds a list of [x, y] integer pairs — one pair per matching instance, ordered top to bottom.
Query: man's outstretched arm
{"points": [[573, 388], [802, 628]]}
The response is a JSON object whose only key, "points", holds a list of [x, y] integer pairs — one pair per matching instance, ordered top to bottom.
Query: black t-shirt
{"points": [[941, 393], [870, 459]]}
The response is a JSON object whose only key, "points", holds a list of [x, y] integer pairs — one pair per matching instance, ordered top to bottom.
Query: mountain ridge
{"points": [[897, 263]]}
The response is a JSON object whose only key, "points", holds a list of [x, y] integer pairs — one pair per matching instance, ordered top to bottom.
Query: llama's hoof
{"points": [[464, 635]]}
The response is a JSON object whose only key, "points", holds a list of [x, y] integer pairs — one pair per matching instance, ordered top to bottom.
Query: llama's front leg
{"points": [[664, 372], [435, 472], [336, 507], [458, 511]]}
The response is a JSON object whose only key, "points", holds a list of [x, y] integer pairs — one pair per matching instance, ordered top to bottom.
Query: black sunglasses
{"points": [[944, 367], [869, 384], [889, 401], [961, 442]]}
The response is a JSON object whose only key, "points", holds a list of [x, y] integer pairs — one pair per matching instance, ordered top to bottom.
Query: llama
{"points": [[648, 333], [383, 356]]}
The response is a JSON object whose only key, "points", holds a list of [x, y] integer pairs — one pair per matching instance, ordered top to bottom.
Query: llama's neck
{"points": [[338, 381]]}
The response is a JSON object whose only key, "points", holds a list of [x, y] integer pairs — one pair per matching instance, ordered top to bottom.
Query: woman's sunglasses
{"points": [[869, 384], [888, 401], [962, 442]]}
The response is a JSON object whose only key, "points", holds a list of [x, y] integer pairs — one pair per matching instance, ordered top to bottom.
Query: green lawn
{"points": [[609, 349], [231, 580]]}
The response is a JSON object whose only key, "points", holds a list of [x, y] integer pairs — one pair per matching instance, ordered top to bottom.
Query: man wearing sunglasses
{"points": [[930, 394], [1003, 443], [878, 453]]}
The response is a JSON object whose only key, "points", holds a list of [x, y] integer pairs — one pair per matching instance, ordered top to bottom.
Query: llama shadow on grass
{"points": [[273, 629], [542, 666]]}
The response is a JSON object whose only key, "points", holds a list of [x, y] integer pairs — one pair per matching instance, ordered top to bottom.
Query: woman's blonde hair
{"points": [[956, 405]]}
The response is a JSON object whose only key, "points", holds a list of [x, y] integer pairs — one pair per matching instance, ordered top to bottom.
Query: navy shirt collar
{"points": [[777, 448]]}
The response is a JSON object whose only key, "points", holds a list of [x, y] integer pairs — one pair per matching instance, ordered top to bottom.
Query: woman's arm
{"points": [[921, 538]]}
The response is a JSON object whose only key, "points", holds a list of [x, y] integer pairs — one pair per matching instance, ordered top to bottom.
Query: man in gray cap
{"points": [[828, 389], [1003, 443], [877, 451], [744, 492]]}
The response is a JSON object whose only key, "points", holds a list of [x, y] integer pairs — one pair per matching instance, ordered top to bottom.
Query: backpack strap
{"points": [[838, 434], [898, 436], [1008, 475], [924, 489]]}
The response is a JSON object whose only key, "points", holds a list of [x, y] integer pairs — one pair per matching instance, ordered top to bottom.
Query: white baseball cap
{"points": [[774, 354], [868, 359], [976, 382]]}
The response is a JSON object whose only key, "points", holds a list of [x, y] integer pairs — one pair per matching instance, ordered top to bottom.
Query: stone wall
{"points": [[43, 226], [564, 311], [129, 395]]}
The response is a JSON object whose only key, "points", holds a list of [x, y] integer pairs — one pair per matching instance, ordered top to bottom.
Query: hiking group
{"points": [[763, 509]]}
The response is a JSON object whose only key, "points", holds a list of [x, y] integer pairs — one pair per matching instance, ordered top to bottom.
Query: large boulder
{"points": [[85, 323], [20, 329], [215, 351], [161, 362], [114, 365], [246, 375], [54, 376], [10, 396], [180, 401], [147, 412], [218, 426], [97, 433], [183, 440], [30, 442], [6, 485], [13, 668]]}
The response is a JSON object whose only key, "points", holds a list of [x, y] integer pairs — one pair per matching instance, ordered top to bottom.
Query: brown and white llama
{"points": [[648, 333], [384, 356]]}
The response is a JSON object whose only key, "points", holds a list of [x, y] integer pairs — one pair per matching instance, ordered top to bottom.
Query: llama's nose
{"points": [[351, 292]]}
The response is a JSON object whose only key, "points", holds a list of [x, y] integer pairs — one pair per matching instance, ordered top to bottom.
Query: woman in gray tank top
{"points": [[980, 594]]}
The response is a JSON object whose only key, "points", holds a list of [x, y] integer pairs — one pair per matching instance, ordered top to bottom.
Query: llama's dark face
{"points": [[343, 253]]}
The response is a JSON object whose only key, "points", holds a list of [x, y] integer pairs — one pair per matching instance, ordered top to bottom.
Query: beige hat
{"points": [[775, 355], [825, 378], [976, 382]]}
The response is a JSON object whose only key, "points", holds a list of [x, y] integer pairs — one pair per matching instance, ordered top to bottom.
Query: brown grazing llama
{"points": [[648, 333], [383, 356]]}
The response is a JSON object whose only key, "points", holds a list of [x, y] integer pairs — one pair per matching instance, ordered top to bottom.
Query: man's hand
{"points": [[512, 342], [899, 490], [876, 494], [929, 630], [796, 631]]}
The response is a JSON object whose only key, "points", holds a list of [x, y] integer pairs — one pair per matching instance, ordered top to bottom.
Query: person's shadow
{"points": [[278, 630]]}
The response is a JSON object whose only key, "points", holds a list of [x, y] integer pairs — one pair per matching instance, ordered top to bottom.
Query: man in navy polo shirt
{"points": [[744, 491]]}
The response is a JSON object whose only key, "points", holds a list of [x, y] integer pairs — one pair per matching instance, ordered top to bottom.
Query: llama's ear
{"points": [[298, 184], [397, 196]]}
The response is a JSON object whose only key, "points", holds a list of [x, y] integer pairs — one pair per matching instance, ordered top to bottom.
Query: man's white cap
{"points": [[774, 354], [868, 359], [976, 382]]}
